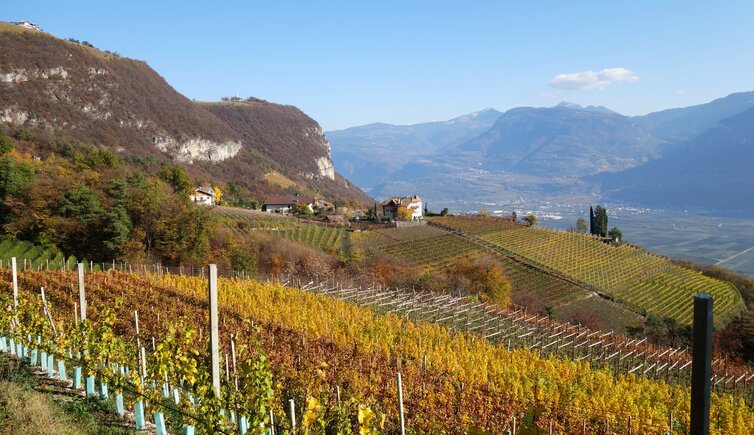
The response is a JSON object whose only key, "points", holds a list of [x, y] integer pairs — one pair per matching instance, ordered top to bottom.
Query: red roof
{"points": [[288, 200]]}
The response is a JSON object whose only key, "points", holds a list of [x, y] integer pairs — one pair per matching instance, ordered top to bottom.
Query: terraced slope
{"points": [[318, 236], [431, 250], [647, 283]]}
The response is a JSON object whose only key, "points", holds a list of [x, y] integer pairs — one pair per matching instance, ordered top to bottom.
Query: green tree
{"points": [[23, 134], [6, 144], [14, 176], [177, 178], [301, 210], [444, 212], [514, 216], [598, 218], [531, 220], [581, 225], [615, 234]]}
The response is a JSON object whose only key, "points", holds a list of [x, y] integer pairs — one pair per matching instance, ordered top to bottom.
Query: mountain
{"points": [[65, 90], [674, 125], [558, 141], [369, 154], [712, 170]]}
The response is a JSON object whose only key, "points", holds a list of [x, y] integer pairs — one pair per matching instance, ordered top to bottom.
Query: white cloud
{"points": [[593, 80], [681, 92]]}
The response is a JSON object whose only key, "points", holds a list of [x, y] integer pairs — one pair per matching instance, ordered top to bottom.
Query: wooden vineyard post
{"points": [[14, 270], [82, 294], [214, 337], [701, 365], [400, 404]]}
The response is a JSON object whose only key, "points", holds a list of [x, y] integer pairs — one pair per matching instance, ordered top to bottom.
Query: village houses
{"points": [[391, 206]]}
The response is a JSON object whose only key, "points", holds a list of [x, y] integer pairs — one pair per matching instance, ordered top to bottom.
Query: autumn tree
{"points": [[218, 195], [405, 214], [531, 220], [484, 277]]}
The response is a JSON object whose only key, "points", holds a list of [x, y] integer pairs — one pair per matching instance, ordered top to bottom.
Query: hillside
{"points": [[65, 91], [673, 125], [291, 143], [369, 154], [710, 171]]}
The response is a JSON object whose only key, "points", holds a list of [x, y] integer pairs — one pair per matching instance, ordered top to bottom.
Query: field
{"points": [[318, 236], [647, 283], [453, 382]]}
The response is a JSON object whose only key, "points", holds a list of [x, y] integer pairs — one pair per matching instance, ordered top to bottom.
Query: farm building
{"points": [[203, 195], [284, 203], [391, 206]]}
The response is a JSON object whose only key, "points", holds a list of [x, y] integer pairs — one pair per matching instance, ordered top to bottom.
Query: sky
{"points": [[355, 62]]}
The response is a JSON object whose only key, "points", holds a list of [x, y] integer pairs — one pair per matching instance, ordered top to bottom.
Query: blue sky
{"points": [[352, 62]]}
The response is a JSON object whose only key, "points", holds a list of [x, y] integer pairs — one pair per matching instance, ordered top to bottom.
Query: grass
{"points": [[278, 179], [29, 405]]}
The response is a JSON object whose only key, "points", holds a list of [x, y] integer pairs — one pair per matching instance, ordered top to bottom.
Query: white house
{"points": [[203, 195], [284, 203], [391, 206]]}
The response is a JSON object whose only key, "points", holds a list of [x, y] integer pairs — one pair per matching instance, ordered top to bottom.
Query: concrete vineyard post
{"points": [[14, 271], [82, 294], [213, 328], [138, 342], [701, 365], [400, 404], [292, 406], [188, 429]]}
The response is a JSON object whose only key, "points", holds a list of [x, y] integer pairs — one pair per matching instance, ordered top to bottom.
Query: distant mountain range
{"points": [[65, 90], [566, 152], [370, 154], [710, 171]]}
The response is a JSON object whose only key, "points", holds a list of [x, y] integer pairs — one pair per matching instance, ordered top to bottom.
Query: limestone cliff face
{"points": [[283, 133]]}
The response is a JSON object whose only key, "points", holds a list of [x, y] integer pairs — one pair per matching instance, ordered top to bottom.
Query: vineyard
{"points": [[319, 236], [430, 249], [644, 282], [334, 363]]}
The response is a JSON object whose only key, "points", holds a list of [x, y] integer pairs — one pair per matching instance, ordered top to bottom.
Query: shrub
{"points": [[24, 134]]}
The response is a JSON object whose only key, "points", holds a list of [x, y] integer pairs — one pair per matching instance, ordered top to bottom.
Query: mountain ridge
{"points": [[66, 91]]}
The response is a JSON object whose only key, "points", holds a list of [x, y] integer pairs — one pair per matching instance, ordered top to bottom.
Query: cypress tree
{"points": [[592, 229]]}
